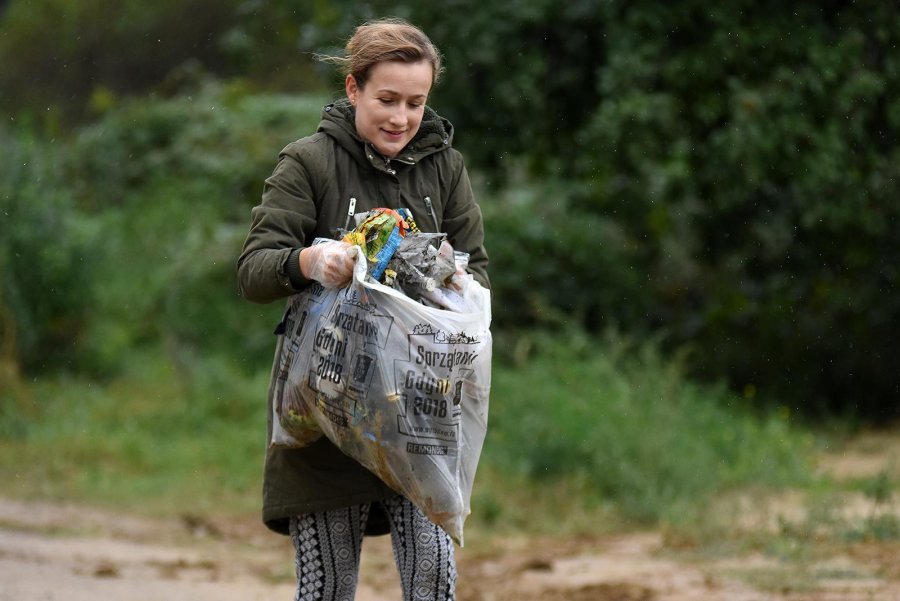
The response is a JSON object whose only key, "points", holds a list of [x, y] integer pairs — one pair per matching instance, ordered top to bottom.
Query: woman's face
{"points": [[389, 108]]}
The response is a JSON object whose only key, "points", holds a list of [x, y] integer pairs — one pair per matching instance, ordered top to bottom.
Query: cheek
{"points": [[377, 115], [364, 117], [414, 122]]}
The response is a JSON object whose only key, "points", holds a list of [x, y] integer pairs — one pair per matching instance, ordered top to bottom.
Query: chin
{"points": [[391, 151]]}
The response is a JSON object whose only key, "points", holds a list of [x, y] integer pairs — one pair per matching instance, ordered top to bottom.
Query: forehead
{"points": [[406, 79]]}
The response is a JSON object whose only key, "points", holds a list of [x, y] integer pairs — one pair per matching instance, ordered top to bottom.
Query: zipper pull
{"points": [[387, 166], [430, 208], [350, 213]]}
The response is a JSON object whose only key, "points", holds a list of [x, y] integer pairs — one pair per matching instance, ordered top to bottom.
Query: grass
{"points": [[623, 425], [583, 434], [151, 441], [840, 529]]}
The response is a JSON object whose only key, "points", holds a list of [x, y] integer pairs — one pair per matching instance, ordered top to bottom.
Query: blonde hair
{"points": [[382, 40]]}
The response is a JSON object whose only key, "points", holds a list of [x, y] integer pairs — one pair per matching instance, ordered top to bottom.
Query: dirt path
{"points": [[50, 552], [53, 552]]}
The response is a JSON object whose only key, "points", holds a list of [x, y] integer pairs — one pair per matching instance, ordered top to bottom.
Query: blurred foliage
{"points": [[99, 51], [741, 161], [723, 176], [135, 224], [42, 309], [632, 429], [628, 437]]}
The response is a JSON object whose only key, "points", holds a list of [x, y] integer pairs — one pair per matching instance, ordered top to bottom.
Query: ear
{"points": [[352, 89]]}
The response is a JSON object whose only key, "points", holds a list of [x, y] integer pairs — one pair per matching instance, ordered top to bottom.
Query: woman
{"points": [[381, 146]]}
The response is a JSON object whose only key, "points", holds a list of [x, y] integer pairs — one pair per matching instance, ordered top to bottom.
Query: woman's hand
{"points": [[329, 263]]}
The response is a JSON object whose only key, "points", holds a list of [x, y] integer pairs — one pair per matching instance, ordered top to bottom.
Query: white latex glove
{"points": [[329, 263], [460, 280]]}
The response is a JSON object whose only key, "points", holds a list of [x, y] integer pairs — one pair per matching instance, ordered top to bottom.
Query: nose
{"points": [[398, 116]]}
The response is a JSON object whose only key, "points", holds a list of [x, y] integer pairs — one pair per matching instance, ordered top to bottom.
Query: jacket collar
{"points": [[339, 121]]}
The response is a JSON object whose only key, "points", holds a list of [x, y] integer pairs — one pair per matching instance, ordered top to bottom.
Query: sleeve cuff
{"points": [[292, 269]]}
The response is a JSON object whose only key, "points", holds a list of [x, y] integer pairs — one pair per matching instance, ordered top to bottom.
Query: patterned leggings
{"points": [[328, 546]]}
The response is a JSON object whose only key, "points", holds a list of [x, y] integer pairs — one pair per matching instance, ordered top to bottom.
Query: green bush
{"points": [[762, 185], [136, 224], [46, 257], [551, 264], [626, 424]]}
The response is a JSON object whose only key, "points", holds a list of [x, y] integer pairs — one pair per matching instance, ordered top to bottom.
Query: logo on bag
{"points": [[372, 327], [444, 337], [446, 359], [361, 369], [361, 375], [431, 382], [419, 430], [426, 449]]}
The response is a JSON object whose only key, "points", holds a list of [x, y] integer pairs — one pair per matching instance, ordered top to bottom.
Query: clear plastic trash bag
{"points": [[401, 387]]}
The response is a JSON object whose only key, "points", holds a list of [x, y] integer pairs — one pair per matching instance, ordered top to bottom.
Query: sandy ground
{"points": [[54, 552]]}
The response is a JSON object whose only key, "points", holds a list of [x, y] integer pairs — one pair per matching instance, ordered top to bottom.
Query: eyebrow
{"points": [[395, 93]]}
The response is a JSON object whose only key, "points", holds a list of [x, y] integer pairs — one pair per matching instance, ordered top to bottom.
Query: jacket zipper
{"points": [[430, 208], [350, 213]]}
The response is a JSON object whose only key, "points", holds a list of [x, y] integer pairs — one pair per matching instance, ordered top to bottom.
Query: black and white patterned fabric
{"points": [[328, 546]]}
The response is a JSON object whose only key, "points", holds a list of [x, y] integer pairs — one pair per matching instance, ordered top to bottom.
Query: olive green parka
{"points": [[319, 182]]}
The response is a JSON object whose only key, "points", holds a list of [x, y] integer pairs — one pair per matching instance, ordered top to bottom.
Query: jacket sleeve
{"points": [[462, 221], [280, 225]]}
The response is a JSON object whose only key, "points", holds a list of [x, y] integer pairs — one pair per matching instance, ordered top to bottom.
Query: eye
{"points": [[386, 100]]}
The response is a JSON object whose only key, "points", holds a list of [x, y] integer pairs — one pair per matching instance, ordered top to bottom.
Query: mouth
{"points": [[393, 134]]}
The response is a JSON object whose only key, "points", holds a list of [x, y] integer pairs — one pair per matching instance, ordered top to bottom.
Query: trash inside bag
{"points": [[379, 234], [400, 386]]}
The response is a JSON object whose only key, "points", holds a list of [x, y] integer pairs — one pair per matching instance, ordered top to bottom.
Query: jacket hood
{"points": [[339, 121]]}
